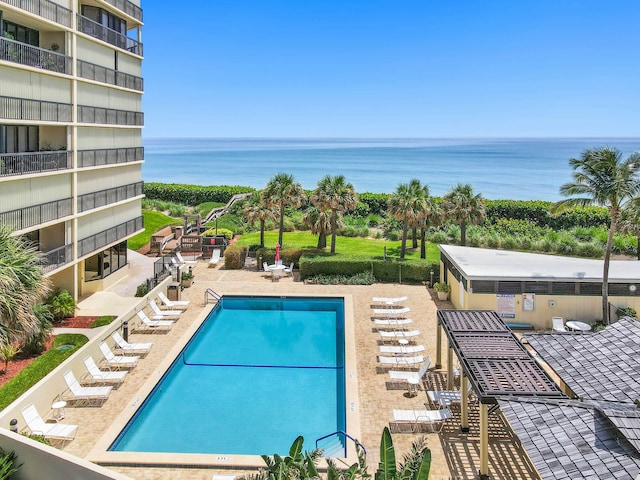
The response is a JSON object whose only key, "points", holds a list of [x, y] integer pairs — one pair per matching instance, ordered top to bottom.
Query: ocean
{"points": [[518, 169]]}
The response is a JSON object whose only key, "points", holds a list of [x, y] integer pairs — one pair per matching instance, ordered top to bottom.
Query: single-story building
{"points": [[531, 288]]}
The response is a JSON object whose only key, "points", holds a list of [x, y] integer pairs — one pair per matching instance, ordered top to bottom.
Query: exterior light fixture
{"points": [[632, 289]]}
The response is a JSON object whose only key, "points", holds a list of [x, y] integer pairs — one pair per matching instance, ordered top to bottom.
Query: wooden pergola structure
{"points": [[493, 362]]}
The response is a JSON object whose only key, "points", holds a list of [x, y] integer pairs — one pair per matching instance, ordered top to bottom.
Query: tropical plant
{"points": [[601, 177], [282, 191], [335, 194], [406, 205], [462, 206], [255, 209], [430, 216], [630, 221], [319, 222], [22, 285], [441, 287], [62, 305], [36, 343], [8, 350], [8, 464], [414, 466]]}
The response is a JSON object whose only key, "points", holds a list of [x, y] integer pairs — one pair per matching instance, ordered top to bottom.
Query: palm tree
{"points": [[601, 177], [282, 191], [336, 195], [406, 205], [462, 206], [256, 210], [431, 215], [630, 221], [320, 224], [22, 286]]}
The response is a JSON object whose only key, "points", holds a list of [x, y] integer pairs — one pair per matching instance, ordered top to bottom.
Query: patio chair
{"points": [[215, 257], [183, 261], [265, 266], [289, 270], [389, 300], [173, 304], [391, 312], [174, 314], [155, 324], [396, 324], [558, 324], [398, 335], [131, 348], [401, 349], [117, 362], [408, 362], [95, 375], [422, 375], [83, 395], [418, 418], [51, 431]]}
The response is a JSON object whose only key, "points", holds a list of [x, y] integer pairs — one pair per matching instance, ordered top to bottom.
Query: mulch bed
{"points": [[16, 365]]}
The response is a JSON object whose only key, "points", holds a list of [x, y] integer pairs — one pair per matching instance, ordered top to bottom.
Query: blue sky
{"points": [[391, 68]]}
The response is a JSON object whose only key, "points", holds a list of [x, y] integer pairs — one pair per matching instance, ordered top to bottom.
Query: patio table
{"points": [[578, 326]]}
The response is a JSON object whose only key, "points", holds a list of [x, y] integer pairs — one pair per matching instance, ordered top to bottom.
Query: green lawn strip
{"points": [[153, 221], [344, 245], [102, 321], [40, 367]]}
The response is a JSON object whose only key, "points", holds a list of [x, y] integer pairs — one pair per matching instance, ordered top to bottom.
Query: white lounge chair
{"points": [[215, 257], [183, 261], [265, 267], [289, 269], [389, 300], [175, 304], [391, 312], [166, 314], [391, 323], [155, 324], [558, 324], [398, 335], [131, 348], [401, 349], [401, 361], [117, 362], [95, 375], [421, 375], [83, 395], [417, 418], [51, 431]]}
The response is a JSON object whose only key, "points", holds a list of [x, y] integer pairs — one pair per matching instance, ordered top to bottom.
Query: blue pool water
{"points": [[259, 372]]}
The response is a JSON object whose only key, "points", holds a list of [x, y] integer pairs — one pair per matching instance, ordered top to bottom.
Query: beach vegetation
{"points": [[602, 177], [282, 191], [192, 195], [406, 205], [463, 206]]}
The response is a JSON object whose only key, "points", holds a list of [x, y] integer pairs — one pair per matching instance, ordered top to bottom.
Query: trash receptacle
{"points": [[173, 291]]}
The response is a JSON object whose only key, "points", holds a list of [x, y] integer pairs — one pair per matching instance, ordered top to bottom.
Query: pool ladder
{"points": [[208, 293], [334, 444]]}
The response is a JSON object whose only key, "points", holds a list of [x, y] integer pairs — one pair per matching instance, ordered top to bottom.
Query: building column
{"points": [[438, 346], [449, 367], [464, 405], [484, 442]]}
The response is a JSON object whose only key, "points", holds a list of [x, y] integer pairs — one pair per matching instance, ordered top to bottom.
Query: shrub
{"points": [[192, 194], [377, 202], [176, 210], [222, 232], [439, 237], [589, 250], [287, 255], [234, 257], [364, 278], [441, 287], [142, 290], [62, 305], [629, 312], [103, 320], [36, 343]]}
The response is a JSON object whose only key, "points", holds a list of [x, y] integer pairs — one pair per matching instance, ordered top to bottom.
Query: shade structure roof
{"points": [[492, 358], [598, 366]]}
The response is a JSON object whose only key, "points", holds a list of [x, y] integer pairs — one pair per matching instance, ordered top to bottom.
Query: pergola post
{"points": [[439, 346], [449, 367], [464, 405], [484, 441]]}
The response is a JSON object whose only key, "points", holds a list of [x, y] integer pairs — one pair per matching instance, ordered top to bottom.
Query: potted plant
{"points": [[186, 279], [442, 289]]}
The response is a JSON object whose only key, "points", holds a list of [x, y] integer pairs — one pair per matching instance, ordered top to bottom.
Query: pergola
{"points": [[495, 364]]}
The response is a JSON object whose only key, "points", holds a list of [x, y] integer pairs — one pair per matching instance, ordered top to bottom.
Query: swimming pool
{"points": [[257, 373]]}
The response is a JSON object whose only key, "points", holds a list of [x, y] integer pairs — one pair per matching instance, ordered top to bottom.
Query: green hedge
{"points": [[192, 194], [377, 202], [537, 211], [234, 257], [390, 270]]}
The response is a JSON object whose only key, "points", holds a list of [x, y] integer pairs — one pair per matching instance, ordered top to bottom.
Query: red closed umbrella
{"points": [[277, 252]]}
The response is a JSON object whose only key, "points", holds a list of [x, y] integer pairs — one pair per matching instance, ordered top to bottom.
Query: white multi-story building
{"points": [[71, 134]]}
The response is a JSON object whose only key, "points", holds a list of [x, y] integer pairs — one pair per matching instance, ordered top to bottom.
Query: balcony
{"points": [[127, 7], [45, 9], [117, 39], [25, 54], [98, 73], [26, 109], [109, 116], [109, 156], [34, 162], [93, 200], [36, 214], [111, 235], [56, 258]]}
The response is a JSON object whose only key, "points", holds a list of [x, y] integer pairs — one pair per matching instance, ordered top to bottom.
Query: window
{"points": [[105, 18], [20, 33], [18, 138], [106, 262]]}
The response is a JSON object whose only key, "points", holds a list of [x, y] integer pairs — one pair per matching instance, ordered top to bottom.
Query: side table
{"points": [[58, 410]]}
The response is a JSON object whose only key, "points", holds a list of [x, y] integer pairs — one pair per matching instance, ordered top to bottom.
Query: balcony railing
{"points": [[127, 7], [44, 8], [117, 39], [25, 54], [108, 75], [26, 109], [109, 116], [109, 156], [33, 162], [111, 195], [36, 214], [111, 235], [56, 258]]}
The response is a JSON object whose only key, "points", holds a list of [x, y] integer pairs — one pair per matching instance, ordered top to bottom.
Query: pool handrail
{"points": [[215, 296], [342, 432]]}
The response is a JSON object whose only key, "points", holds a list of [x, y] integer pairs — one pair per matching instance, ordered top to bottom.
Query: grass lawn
{"points": [[204, 208], [153, 221], [344, 245]]}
